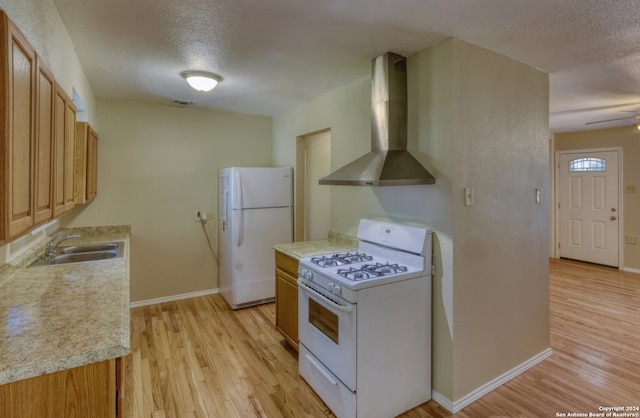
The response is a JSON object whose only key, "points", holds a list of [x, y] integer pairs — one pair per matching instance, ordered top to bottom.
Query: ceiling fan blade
{"points": [[611, 120]]}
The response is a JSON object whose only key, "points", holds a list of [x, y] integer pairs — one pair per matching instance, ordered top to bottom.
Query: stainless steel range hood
{"points": [[389, 163]]}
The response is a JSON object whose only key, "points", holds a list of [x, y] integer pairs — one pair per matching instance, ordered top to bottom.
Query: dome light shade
{"points": [[201, 80]]}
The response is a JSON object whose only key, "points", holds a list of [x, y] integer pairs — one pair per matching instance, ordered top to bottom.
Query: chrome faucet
{"points": [[53, 244]]}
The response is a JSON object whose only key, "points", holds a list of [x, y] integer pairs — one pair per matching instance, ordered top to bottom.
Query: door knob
{"points": [[613, 209], [613, 218]]}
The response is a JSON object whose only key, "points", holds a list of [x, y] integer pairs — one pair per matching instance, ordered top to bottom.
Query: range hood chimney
{"points": [[389, 163]]}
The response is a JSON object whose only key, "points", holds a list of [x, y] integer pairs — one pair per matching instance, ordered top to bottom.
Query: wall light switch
{"points": [[630, 188], [538, 194], [469, 198], [631, 239]]}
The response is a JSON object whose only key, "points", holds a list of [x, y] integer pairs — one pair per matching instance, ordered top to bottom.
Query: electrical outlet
{"points": [[469, 196], [199, 216], [631, 239]]}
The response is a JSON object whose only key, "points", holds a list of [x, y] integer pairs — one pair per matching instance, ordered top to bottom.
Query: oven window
{"points": [[323, 319]]}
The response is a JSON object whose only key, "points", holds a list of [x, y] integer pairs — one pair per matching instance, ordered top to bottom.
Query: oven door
{"points": [[327, 328]]}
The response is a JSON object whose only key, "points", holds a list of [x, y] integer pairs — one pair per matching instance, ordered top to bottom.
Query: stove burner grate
{"points": [[340, 259], [384, 269], [370, 271], [356, 274]]}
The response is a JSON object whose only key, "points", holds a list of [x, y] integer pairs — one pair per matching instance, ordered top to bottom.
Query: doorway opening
{"points": [[313, 202]]}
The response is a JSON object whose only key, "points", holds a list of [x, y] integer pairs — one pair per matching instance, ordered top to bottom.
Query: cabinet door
{"points": [[64, 115], [19, 140], [58, 153], [69, 153], [80, 164], [92, 164], [86, 169], [43, 192], [287, 298], [287, 308], [86, 391]]}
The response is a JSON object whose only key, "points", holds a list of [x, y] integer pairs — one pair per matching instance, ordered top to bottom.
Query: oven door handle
{"points": [[312, 292]]}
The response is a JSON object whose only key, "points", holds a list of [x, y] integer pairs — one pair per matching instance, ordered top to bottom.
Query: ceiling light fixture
{"points": [[201, 80]]}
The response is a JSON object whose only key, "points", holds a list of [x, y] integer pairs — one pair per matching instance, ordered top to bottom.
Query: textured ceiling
{"points": [[275, 54]]}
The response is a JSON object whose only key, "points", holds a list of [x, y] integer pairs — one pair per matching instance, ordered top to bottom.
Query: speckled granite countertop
{"points": [[336, 242], [59, 317]]}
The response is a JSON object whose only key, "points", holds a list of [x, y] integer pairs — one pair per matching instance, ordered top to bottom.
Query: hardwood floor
{"points": [[198, 358]]}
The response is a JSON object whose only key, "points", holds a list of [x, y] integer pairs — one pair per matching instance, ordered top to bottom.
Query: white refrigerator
{"points": [[255, 212]]}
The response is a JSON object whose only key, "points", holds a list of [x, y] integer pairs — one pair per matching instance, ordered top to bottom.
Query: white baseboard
{"points": [[631, 270], [173, 298], [468, 399], [442, 400]]}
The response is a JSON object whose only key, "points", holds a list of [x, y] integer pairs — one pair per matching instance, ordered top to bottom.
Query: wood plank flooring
{"points": [[199, 359]]}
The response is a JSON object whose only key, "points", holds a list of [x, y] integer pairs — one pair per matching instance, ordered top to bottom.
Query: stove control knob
{"points": [[303, 273], [309, 275], [330, 287], [336, 290]]}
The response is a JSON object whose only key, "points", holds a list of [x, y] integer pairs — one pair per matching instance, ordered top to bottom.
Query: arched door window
{"points": [[588, 164]]}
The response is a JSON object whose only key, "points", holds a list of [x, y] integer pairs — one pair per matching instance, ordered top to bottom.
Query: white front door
{"points": [[589, 211]]}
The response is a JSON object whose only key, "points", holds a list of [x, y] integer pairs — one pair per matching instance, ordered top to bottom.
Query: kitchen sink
{"points": [[85, 248], [82, 253], [82, 257]]}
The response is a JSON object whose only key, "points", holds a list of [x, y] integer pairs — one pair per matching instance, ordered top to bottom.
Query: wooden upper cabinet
{"points": [[17, 119], [37, 138], [64, 140], [44, 145], [58, 152], [69, 153], [86, 164], [92, 165]]}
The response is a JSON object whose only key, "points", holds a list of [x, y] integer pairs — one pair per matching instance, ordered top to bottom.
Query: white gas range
{"points": [[364, 322]]}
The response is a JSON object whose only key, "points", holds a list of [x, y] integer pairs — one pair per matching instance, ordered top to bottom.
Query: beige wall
{"points": [[475, 119], [347, 128], [628, 138], [500, 148], [157, 166]]}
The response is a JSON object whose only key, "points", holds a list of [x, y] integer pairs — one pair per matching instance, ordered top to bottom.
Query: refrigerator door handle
{"points": [[240, 202], [240, 228]]}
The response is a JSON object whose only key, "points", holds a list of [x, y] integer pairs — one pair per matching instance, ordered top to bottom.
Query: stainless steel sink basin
{"points": [[85, 248], [82, 253], [82, 257]]}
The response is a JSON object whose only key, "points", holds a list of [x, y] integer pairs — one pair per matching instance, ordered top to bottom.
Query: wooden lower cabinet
{"points": [[287, 298], [94, 390]]}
